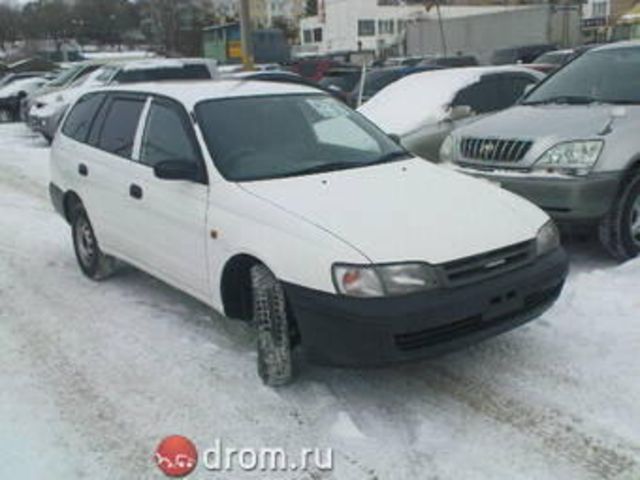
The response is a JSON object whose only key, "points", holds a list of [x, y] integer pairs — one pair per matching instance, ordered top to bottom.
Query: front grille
{"points": [[494, 150], [486, 265], [426, 338]]}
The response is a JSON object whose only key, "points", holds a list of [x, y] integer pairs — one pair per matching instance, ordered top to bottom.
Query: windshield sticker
{"points": [[326, 108]]}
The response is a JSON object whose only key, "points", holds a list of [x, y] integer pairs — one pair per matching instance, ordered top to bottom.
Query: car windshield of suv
{"points": [[605, 76], [258, 138]]}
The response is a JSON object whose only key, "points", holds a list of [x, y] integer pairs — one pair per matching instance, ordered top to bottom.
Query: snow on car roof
{"points": [[191, 92], [422, 98]]}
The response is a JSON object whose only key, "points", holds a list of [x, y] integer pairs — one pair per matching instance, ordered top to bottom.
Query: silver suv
{"points": [[572, 146]]}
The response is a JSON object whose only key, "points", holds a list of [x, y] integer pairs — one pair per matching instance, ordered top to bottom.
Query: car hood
{"points": [[556, 122], [406, 211]]}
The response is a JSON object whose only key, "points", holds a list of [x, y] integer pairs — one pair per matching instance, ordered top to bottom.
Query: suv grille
{"points": [[495, 150], [486, 265]]}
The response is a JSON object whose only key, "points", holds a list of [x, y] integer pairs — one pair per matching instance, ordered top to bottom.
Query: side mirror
{"points": [[459, 112], [177, 170]]}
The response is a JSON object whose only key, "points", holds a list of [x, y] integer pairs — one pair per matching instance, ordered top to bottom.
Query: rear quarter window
{"points": [[79, 120]]}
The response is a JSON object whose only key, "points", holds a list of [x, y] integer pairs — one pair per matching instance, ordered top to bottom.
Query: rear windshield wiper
{"points": [[565, 100]]}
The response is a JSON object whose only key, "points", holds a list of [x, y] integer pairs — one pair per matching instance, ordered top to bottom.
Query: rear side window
{"points": [[186, 72], [81, 116], [120, 124], [168, 136]]}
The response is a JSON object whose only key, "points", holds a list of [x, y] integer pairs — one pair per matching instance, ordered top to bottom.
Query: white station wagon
{"points": [[278, 205]]}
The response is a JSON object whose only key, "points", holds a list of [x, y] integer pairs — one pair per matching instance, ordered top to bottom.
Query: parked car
{"points": [[521, 54], [402, 61], [450, 62], [313, 68], [283, 76], [14, 77], [378, 79], [62, 80], [343, 81], [12, 94], [47, 110], [421, 110], [571, 146], [269, 202]]}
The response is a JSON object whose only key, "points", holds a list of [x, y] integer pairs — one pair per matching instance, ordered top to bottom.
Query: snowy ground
{"points": [[92, 376]]}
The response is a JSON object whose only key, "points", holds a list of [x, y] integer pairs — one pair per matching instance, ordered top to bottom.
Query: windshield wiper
{"points": [[565, 100], [391, 157], [334, 166], [325, 167]]}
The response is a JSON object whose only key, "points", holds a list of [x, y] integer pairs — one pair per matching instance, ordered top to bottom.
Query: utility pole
{"points": [[246, 35]]}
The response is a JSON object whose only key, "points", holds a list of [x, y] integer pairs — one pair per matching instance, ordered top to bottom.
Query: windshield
{"points": [[606, 76], [65, 77], [376, 81], [256, 138]]}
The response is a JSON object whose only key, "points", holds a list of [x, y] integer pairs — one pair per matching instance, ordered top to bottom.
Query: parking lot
{"points": [[94, 375]]}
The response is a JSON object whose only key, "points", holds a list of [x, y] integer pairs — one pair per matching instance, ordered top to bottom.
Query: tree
{"points": [[9, 25]]}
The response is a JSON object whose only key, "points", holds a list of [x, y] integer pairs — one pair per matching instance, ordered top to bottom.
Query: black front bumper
{"points": [[346, 331]]}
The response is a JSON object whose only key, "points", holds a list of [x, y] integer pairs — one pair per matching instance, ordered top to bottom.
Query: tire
{"points": [[620, 228], [92, 261], [275, 363]]}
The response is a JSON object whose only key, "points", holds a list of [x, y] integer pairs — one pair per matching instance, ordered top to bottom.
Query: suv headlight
{"points": [[447, 149], [571, 158], [548, 238], [384, 280]]}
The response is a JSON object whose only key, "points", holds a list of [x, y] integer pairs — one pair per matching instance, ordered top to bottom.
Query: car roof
{"points": [[616, 45], [191, 92]]}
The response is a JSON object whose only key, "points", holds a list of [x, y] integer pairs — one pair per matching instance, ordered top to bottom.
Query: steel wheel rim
{"points": [[634, 221], [85, 242]]}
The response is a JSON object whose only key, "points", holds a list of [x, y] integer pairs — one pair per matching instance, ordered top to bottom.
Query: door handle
{"points": [[83, 170], [135, 191]]}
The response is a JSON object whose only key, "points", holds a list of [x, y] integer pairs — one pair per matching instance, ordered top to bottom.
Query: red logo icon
{"points": [[176, 456]]}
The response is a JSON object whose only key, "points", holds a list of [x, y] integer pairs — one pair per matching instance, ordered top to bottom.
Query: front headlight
{"points": [[447, 149], [571, 158], [548, 238], [384, 280]]}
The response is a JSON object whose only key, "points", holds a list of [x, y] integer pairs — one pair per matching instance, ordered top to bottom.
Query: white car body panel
{"points": [[298, 227]]}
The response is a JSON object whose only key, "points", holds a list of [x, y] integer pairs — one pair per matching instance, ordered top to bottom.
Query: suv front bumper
{"points": [[565, 199], [345, 331]]}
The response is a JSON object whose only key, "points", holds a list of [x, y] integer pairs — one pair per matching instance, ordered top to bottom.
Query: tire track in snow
{"points": [[79, 403], [563, 435]]}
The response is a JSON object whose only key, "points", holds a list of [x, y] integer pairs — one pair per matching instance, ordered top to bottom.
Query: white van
{"points": [[278, 205]]}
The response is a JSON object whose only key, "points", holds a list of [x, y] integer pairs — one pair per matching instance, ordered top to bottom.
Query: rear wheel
{"points": [[620, 229], [92, 261], [275, 364]]}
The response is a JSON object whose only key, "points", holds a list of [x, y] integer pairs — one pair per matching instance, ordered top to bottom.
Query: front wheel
{"points": [[620, 229], [92, 261], [275, 364]]}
